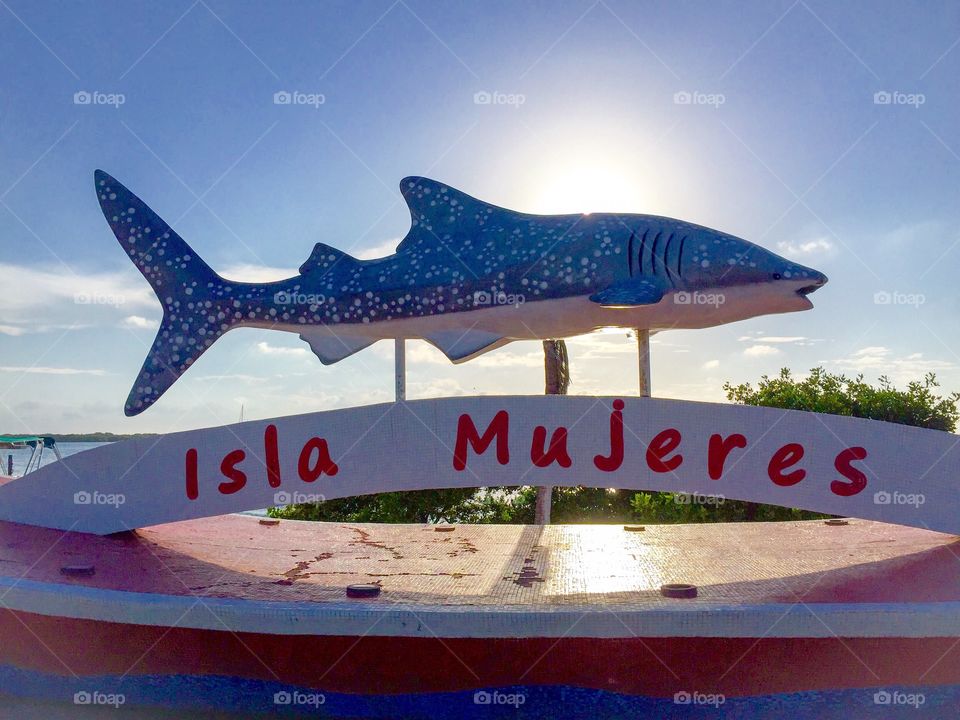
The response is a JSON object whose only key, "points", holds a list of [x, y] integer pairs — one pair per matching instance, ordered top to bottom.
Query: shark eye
{"points": [[777, 276]]}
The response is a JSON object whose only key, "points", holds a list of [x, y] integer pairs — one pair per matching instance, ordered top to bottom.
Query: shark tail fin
{"points": [[181, 281]]}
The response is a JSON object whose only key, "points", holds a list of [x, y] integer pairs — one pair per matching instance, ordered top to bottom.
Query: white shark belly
{"points": [[572, 316]]}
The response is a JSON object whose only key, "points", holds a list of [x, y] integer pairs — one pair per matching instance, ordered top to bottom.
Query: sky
{"points": [[823, 131]]}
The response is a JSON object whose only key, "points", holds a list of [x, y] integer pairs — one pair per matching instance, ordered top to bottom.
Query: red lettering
{"points": [[498, 428], [664, 443], [718, 449], [271, 450], [557, 451], [789, 454], [611, 462], [310, 472], [237, 477], [858, 481], [193, 488]]}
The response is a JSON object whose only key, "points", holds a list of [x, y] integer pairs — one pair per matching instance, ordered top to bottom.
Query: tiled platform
{"points": [[237, 556]]}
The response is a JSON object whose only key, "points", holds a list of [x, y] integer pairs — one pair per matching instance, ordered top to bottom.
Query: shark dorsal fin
{"points": [[438, 210], [324, 257]]}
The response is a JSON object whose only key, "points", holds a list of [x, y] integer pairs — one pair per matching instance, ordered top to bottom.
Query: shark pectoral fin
{"points": [[325, 257], [630, 293], [461, 346], [330, 347]]}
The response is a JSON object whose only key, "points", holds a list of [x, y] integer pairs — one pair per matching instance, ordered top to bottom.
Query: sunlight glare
{"points": [[589, 188]]}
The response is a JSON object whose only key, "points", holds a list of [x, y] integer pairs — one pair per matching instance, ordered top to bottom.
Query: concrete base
{"points": [[230, 613]]}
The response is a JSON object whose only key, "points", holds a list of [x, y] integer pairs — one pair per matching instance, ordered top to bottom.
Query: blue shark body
{"points": [[468, 277]]}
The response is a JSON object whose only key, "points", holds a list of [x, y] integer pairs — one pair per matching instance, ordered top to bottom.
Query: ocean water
{"points": [[21, 456]]}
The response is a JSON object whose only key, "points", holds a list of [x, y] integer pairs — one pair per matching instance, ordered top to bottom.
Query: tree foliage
{"points": [[919, 405]]}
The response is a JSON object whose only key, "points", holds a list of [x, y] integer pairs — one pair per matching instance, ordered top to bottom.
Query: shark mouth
{"points": [[817, 282]]}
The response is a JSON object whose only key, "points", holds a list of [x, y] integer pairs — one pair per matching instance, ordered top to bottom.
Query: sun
{"points": [[588, 188]]}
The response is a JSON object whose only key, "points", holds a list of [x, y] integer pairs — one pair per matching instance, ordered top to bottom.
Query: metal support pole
{"points": [[643, 352], [400, 368]]}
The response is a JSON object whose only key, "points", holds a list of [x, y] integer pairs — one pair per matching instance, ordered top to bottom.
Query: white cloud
{"points": [[387, 247], [805, 248], [256, 273], [26, 290], [38, 301], [138, 322], [774, 339], [798, 340], [607, 344], [268, 349], [873, 350], [761, 351], [417, 352], [420, 352], [506, 358], [882, 361], [711, 364], [41, 370], [231, 376], [441, 387]]}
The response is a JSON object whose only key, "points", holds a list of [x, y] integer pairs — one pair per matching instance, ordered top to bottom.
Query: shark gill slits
{"points": [[643, 245], [630, 251], [653, 253], [666, 254], [680, 256]]}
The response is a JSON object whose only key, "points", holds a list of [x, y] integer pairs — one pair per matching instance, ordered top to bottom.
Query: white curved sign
{"points": [[827, 463]]}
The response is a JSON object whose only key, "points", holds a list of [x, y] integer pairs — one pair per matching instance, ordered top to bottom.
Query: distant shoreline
{"points": [[92, 437]]}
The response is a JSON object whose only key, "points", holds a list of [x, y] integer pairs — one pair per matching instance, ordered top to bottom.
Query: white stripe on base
{"points": [[688, 618]]}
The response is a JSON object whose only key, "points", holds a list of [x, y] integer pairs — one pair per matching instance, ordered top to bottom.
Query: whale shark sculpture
{"points": [[469, 277]]}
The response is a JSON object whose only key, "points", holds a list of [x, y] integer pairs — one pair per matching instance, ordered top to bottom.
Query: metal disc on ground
{"points": [[77, 570], [678, 590], [363, 591]]}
